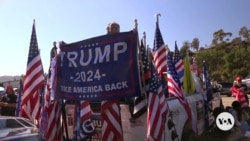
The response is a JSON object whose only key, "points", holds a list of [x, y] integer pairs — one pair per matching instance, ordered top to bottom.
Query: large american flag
{"points": [[159, 52], [178, 63], [34, 80], [175, 89], [157, 108], [111, 119]]}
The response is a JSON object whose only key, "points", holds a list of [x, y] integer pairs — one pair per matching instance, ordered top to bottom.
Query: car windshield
{"points": [[26, 122], [9, 123]]}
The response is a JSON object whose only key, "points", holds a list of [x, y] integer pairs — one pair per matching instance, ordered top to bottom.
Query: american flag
{"points": [[159, 52], [178, 63], [34, 80], [175, 89], [208, 91], [140, 104], [157, 108], [53, 110], [50, 118], [111, 119]]}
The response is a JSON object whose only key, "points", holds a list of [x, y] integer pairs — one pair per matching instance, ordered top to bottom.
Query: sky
{"points": [[75, 20]]}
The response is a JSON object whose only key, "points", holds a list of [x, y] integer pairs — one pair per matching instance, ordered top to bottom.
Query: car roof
{"points": [[16, 127]]}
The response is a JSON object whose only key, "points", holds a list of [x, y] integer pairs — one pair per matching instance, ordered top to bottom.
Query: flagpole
{"points": [[157, 17], [144, 37], [145, 88]]}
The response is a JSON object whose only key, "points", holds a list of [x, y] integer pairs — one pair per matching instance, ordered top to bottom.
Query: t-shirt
{"points": [[9, 111]]}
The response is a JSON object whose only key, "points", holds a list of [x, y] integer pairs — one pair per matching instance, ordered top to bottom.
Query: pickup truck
{"points": [[177, 125]]}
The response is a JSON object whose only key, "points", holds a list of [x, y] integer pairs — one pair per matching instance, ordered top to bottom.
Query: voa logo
{"points": [[225, 121]]}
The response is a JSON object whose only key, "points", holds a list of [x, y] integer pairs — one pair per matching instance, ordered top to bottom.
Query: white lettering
{"points": [[119, 48], [93, 55], [101, 55], [72, 57], [116, 86], [66, 89], [90, 89]]}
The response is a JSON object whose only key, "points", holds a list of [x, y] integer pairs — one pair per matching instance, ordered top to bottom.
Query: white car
{"points": [[18, 129]]}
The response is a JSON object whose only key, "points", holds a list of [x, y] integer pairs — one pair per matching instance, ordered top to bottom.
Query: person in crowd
{"points": [[239, 92], [8, 102], [241, 120]]}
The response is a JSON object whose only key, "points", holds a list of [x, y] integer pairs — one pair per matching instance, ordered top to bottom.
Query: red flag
{"points": [[34, 80], [111, 118]]}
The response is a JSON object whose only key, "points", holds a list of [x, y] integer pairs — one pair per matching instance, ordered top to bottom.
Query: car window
{"points": [[2, 123], [12, 123], [26, 123]]}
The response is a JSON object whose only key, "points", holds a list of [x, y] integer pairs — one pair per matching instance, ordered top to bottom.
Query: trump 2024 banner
{"points": [[100, 68]]}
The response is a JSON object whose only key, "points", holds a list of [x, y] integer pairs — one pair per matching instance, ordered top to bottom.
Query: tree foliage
{"points": [[225, 61]]}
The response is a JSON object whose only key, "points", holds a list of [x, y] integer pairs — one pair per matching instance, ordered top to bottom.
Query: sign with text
{"points": [[100, 68]]}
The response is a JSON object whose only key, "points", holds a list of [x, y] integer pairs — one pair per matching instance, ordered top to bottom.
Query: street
{"points": [[227, 101]]}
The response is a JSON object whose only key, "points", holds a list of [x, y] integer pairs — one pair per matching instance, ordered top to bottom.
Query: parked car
{"points": [[226, 88], [18, 129]]}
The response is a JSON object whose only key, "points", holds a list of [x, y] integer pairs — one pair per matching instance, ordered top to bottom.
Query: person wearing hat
{"points": [[239, 92], [8, 102]]}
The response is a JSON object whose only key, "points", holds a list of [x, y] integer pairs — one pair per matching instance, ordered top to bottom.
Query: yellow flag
{"points": [[188, 82]]}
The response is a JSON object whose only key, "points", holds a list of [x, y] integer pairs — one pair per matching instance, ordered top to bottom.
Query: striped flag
{"points": [[159, 52], [178, 63], [34, 80], [175, 89], [19, 96], [140, 103], [157, 108], [53, 110], [111, 119], [88, 128]]}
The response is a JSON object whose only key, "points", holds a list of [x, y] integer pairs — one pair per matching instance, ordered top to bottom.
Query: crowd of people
{"points": [[240, 111]]}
